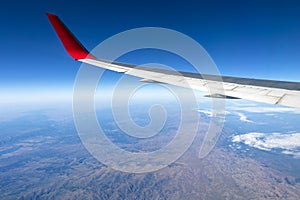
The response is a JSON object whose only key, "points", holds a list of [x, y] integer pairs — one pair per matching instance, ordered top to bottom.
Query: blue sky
{"points": [[259, 39]]}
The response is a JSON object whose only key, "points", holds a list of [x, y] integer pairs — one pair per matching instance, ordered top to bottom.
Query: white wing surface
{"points": [[266, 91]]}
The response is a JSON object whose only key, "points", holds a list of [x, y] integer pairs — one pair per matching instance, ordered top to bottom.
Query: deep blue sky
{"points": [[258, 39]]}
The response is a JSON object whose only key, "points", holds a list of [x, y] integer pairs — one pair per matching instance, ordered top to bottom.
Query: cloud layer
{"points": [[262, 109], [288, 143]]}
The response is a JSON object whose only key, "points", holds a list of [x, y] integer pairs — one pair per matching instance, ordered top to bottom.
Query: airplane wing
{"points": [[265, 91]]}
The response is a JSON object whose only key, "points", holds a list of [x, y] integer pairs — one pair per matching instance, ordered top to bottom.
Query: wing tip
{"points": [[51, 14], [70, 42]]}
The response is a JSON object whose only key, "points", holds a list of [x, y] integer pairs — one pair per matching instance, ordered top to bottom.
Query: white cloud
{"points": [[262, 109], [207, 112], [214, 113], [244, 118], [289, 143], [295, 154]]}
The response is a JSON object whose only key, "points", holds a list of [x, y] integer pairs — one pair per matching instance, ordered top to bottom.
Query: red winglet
{"points": [[71, 44]]}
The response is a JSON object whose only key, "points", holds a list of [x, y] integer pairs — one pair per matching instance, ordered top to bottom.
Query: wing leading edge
{"points": [[265, 91]]}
